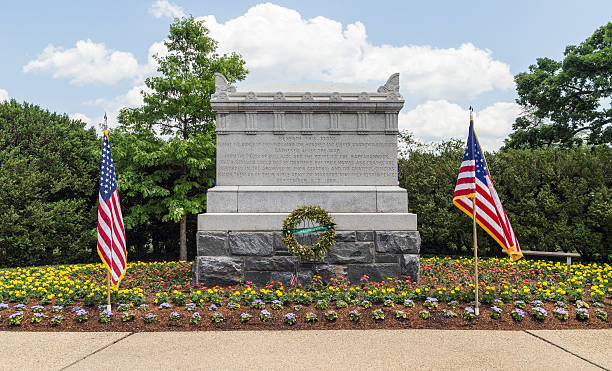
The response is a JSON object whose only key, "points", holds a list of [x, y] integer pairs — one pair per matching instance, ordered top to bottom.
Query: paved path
{"points": [[297, 350]]}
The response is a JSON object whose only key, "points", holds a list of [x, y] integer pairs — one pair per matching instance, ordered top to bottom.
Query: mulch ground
{"points": [[232, 320]]}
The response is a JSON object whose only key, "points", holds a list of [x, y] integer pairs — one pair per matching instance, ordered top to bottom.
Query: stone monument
{"points": [[277, 151]]}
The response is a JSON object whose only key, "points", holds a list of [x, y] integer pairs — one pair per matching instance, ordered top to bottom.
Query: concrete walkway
{"points": [[303, 350]]}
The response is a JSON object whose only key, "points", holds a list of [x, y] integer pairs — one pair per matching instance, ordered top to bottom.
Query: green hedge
{"points": [[556, 199]]}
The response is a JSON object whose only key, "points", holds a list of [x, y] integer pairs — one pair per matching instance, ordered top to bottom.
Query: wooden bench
{"points": [[568, 255]]}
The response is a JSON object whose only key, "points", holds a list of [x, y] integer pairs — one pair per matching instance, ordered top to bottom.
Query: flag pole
{"points": [[474, 230], [108, 277]]}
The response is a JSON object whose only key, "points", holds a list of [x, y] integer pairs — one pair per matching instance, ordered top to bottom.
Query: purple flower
{"points": [[431, 300], [277, 302], [408, 303], [537, 303], [164, 305], [190, 305], [3, 306], [20, 306], [38, 307], [57, 307], [102, 307], [212, 307], [75, 309], [469, 309], [496, 309], [540, 310], [560, 311], [82, 312], [354, 312], [520, 312], [106, 313], [265, 313], [16, 314], [38, 315], [196, 315], [150, 316], [245, 316], [290, 316]]}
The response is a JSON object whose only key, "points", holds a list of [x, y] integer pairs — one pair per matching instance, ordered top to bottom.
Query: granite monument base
{"points": [[228, 257]]}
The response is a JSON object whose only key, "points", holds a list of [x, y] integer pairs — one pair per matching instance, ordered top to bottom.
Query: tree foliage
{"points": [[568, 102], [173, 132], [49, 170], [556, 199]]}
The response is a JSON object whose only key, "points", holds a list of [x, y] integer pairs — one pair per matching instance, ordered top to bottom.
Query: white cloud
{"points": [[164, 8], [279, 45], [89, 62], [3, 95], [79, 116], [441, 120]]}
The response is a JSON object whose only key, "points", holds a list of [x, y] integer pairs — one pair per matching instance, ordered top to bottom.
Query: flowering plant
{"points": [[178, 298], [388, 303], [408, 303], [430, 303], [453, 303], [498, 303], [537, 303], [258, 304], [322, 304], [341, 304], [366, 304], [520, 304], [561, 304], [581, 304], [598, 304], [165, 305], [277, 305], [3, 306], [233, 306], [20, 307], [123, 307], [143, 307], [57, 308], [212, 308], [297, 308], [38, 309], [496, 312], [447, 313], [468, 313], [539, 313], [400, 314], [424, 314], [517, 314], [561, 314], [582, 314], [601, 314], [82, 315], [331, 315], [354, 315], [378, 315], [105, 316], [174, 316], [264, 316], [37, 317], [127, 317], [215, 317], [245, 317], [311, 317], [149, 318], [196, 318], [57, 319], [290, 319]]}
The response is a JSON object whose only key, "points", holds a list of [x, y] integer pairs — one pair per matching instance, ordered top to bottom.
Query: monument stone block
{"points": [[277, 151]]}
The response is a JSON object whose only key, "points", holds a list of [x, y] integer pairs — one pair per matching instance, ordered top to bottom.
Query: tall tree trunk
{"points": [[183, 238]]}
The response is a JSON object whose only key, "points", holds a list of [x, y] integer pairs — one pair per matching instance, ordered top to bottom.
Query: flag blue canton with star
{"points": [[476, 154], [108, 180]]}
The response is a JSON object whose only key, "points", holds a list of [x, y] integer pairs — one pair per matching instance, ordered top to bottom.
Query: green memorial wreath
{"points": [[326, 226]]}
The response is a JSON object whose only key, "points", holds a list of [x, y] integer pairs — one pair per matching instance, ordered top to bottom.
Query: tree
{"points": [[567, 103], [178, 108], [49, 171]]}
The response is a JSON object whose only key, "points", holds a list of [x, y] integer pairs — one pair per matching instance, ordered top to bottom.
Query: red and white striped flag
{"points": [[474, 179], [111, 235]]}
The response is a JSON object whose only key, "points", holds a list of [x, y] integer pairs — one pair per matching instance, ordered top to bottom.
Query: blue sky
{"points": [[84, 58]]}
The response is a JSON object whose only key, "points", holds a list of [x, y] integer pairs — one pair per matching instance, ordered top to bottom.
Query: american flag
{"points": [[474, 179], [111, 235]]}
